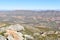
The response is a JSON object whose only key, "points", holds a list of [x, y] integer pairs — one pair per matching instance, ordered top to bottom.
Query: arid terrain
{"points": [[33, 25]]}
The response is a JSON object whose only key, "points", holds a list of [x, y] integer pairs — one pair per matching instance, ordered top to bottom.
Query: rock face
{"points": [[16, 27], [12, 32], [13, 35], [2, 37]]}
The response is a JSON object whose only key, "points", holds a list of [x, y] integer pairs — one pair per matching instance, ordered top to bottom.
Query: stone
{"points": [[16, 27], [2, 29], [14, 35], [2, 37], [28, 37]]}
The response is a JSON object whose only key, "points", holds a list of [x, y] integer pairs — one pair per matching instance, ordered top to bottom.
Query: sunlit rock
{"points": [[16, 27], [2, 29], [56, 32], [44, 34], [13, 35], [2, 37], [28, 37]]}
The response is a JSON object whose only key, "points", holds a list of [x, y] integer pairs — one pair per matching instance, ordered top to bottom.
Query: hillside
{"points": [[48, 18], [30, 25]]}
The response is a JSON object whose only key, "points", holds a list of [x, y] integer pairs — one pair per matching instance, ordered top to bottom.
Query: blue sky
{"points": [[29, 4]]}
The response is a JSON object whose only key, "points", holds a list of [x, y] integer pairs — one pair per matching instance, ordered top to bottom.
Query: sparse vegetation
{"points": [[36, 25]]}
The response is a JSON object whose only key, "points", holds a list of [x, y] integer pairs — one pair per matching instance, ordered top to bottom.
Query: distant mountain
{"points": [[29, 15], [48, 18]]}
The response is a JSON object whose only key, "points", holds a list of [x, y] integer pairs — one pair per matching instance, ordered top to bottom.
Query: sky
{"points": [[29, 4]]}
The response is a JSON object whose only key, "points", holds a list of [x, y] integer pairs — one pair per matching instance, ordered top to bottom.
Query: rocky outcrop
{"points": [[16, 27], [12, 32], [13, 35], [2, 37]]}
